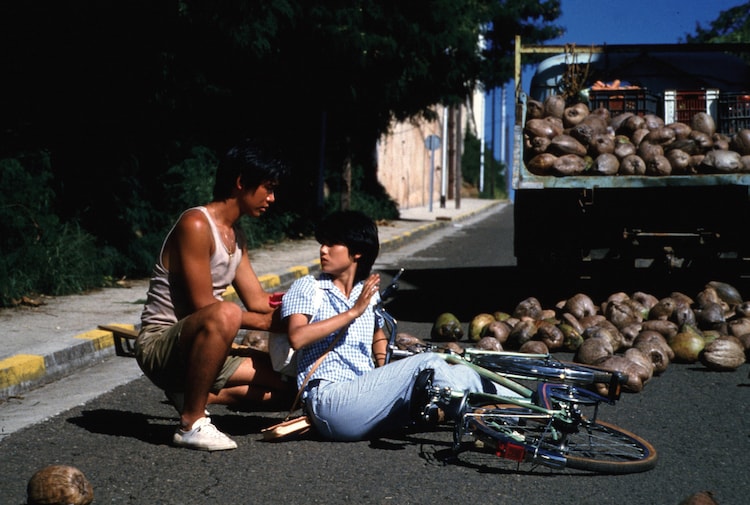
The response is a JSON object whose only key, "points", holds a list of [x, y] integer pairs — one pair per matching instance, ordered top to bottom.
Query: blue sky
{"points": [[636, 21], [618, 22]]}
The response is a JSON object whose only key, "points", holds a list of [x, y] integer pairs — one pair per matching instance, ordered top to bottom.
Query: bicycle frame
{"points": [[553, 411]]}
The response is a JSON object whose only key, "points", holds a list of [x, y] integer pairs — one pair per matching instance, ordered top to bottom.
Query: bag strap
{"points": [[312, 370]]}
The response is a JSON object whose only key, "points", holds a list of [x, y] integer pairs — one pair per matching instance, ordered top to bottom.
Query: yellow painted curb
{"points": [[299, 271], [269, 281], [101, 339], [20, 368]]}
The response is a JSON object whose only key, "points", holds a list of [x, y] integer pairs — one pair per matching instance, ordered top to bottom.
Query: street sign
{"points": [[432, 142]]}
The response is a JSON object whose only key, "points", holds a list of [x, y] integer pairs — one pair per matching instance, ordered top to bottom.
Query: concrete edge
{"points": [[24, 372]]}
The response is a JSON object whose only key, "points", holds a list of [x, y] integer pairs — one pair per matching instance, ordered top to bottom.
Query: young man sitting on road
{"points": [[187, 328]]}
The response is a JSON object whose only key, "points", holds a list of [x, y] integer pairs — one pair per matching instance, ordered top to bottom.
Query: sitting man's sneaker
{"points": [[203, 436]]}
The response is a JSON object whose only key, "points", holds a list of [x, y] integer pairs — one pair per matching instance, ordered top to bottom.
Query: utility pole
{"points": [[458, 138], [451, 150]]}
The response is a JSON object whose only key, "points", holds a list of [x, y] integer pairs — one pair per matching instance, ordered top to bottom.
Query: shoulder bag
{"points": [[292, 426]]}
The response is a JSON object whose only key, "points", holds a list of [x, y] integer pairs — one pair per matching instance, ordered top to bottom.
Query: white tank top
{"points": [[167, 301]]}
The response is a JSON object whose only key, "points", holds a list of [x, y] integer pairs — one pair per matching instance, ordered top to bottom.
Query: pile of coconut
{"points": [[563, 140], [637, 334]]}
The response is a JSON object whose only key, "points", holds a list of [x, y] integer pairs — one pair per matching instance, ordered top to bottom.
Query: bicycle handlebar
{"points": [[391, 288]]}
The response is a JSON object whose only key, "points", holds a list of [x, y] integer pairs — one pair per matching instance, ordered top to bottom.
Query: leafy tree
{"points": [[532, 20], [731, 26], [134, 101]]}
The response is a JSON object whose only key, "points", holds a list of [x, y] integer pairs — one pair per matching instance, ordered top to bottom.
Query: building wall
{"points": [[405, 163]]}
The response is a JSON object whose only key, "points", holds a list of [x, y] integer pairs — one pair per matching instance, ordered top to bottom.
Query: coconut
{"points": [[554, 105], [534, 109], [574, 114], [703, 122], [541, 128], [681, 130], [661, 135], [740, 142], [602, 143], [565, 144], [539, 145], [623, 147], [679, 160], [721, 162], [541, 164], [606, 164], [632, 165], [658, 165], [726, 292], [645, 299], [580, 305], [529, 307], [711, 316], [478, 326], [446, 327], [498, 329], [667, 329], [522, 332], [550, 334], [572, 338], [407, 341], [489, 344], [654, 346], [687, 346], [453, 347], [534, 347], [594, 350], [723, 354], [644, 363], [636, 372], [59, 485], [700, 498]]}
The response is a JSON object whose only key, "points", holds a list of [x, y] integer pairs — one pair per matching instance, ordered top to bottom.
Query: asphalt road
{"points": [[696, 419]]}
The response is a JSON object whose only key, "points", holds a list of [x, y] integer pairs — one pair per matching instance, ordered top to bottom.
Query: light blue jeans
{"points": [[378, 401]]}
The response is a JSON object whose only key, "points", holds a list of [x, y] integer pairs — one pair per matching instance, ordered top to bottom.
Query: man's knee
{"points": [[224, 318]]}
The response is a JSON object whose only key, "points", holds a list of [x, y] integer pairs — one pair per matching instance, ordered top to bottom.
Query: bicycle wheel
{"points": [[525, 436], [605, 448]]}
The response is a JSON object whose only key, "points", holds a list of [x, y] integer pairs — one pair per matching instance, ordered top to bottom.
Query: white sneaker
{"points": [[203, 436]]}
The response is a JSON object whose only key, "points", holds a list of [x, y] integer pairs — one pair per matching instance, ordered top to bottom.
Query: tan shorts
{"points": [[162, 361]]}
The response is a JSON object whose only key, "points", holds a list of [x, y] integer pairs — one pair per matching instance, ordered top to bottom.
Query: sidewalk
{"points": [[41, 344]]}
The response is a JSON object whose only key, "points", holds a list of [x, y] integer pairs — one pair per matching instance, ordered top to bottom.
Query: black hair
{"points": [[255, 162], [357, 232]]}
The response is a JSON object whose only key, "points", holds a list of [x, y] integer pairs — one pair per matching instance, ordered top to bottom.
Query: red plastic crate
{"points": [[617, 101], [681, 106], [734, 112]]}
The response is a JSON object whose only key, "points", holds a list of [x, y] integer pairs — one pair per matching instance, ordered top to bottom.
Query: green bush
{"points": [[42, 252], [39, 254]]}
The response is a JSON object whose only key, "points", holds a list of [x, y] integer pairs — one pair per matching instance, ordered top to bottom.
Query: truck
{"points": [[584, 221]]}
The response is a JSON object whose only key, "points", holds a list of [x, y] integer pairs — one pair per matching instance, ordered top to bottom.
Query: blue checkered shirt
{"points": [[352, 354]]}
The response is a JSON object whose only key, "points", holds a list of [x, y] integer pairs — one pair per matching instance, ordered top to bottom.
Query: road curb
{"points": [[23, 372]]}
